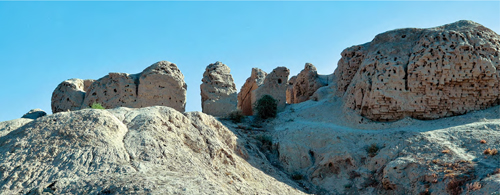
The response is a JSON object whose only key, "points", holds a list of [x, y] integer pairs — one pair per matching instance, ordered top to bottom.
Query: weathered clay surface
{"points": [[422, 73], [160, 84], [305, 84], [274, 85], [113, 90], [289, 90], [218, 91], [246, 94], [69, 95], [34, 113], [7, 126], [153, 150], [343, 153]]}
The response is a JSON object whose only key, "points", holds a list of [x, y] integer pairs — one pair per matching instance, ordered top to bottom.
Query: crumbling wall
{"points": [[422, 73]]}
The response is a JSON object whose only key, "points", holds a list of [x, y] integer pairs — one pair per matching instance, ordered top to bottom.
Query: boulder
{"points": [[422, 73], [306, 83], [160, 84], [274, 85], [218, 91], [69, 95], [245, 101], [34, 114]]}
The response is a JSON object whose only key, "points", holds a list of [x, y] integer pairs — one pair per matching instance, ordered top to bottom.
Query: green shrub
{"points": [[96, 105], [266, 107], [236, 116]]}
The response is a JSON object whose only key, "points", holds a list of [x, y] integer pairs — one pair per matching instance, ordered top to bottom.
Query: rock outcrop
{"points": [[422, 73], [160, 84], [275, 85], [304, 85], [218, 91], [246, 94], [34, 114], [153, 150]]}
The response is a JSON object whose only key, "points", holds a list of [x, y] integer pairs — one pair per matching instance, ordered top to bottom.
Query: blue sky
{"points": [[44, 43]]}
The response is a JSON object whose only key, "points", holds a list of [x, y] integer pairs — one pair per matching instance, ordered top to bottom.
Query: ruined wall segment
{"points": [[422, 73], [160, 84], [305, 84], [275, 85], [113, 90], [289, 90], [218, 91], [246, 94], [69, 95]]}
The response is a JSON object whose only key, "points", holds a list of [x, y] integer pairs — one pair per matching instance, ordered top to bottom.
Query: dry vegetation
{"points": [[490, 151], [473, 186]]}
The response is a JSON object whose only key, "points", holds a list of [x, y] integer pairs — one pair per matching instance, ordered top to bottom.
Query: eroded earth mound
{"points": [[153, 150]]}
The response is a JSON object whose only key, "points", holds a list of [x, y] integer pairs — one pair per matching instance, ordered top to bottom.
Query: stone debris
{"points": [[218, 91]]}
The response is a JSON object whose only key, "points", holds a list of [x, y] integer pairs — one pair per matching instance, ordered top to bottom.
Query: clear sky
{"points": [[45, 43]]}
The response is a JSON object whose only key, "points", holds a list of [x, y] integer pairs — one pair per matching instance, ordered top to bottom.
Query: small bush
{"points": [[96, 105], [266, 107], [236, 116], [482, 141], [372, 150]]}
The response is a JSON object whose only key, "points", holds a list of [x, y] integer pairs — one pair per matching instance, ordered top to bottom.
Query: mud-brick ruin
{"points": [[419, 73]]}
